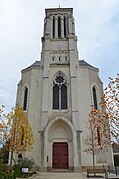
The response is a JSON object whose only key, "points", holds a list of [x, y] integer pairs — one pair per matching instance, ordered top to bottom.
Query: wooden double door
{"points": [[60, 155]]}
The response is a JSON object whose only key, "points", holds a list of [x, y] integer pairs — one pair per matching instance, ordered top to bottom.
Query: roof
{"points": [[82, 63], [35, 64], [85, 64]]}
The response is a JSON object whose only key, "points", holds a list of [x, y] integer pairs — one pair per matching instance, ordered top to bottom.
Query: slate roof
{"points": [[82, 63], [35, 64]]}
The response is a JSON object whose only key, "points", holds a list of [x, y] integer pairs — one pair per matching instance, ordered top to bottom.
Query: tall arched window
{"points": [[64, 26], [59, 27], [53, 31], [59, 92], [25, 98], [95, 98]]}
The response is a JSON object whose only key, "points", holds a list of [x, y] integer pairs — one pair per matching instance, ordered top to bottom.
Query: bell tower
{"points": [[59, 23], [59, 35], [59, 48], [60, 70]]}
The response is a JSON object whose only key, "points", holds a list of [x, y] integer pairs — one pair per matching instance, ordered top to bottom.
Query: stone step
{"points": [[59, 175], [68, 175]]}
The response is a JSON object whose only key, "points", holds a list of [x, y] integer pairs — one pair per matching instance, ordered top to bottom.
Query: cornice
{"points": [[59, 10], [59, 65]]}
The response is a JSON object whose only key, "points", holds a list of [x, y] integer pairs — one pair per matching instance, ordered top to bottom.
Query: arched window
{"points": [[64, 26], [53, 27], [59, 27], [59, 92], [55, 96], [25, 98], [95, 98]]}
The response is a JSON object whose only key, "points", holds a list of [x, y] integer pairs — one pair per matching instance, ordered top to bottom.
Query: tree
{"points": [[110, 104], [16, 130], [97, 136]]}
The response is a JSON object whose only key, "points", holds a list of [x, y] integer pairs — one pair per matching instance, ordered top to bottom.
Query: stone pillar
{"points": [[70, 25], [48, 26], [73, 26], [56, 27], [62, 27], [45, 82], [79, 147], [42, 151], [77, 166]]}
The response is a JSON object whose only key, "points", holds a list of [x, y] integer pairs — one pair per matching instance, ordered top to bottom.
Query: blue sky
{"points": [[21, 29]]}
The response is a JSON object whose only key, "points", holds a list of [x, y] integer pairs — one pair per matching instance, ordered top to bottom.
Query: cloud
{"points": [[97, 27]]}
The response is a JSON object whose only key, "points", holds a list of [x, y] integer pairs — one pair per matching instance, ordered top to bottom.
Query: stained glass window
{"points": [[59, 79], [59, 92], [63, 96], [55, 97]]}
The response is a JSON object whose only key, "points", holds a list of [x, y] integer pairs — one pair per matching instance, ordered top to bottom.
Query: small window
{"points": [[53, 58], [65, 58], [59, 59], [25, 98], [95, 98]]}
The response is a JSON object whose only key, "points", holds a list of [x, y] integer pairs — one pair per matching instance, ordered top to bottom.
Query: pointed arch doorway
{"points": [[60, 130], [60, 145], [60, 155]]}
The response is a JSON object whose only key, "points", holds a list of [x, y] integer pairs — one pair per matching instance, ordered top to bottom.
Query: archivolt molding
{"points": [[57, 52], [60, 73], [23, 89], [97, 92], [56, 119]]}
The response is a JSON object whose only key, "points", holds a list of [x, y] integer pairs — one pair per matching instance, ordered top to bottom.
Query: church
{"points": [[57, 93]]}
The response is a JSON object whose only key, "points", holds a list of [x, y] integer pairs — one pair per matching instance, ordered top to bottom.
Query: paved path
{"points": [[67, 175]]}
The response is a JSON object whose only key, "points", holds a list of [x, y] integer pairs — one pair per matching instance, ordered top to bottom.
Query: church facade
{"points": [[57, 93]]}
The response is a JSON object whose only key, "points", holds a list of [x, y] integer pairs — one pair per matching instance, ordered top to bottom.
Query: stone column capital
{"points": [[62, 17], [56, 18]]}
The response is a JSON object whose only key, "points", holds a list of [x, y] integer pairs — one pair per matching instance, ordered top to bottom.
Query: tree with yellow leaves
{"points": [[110, 104], [103, 124], [16, 130], [97, 137]]}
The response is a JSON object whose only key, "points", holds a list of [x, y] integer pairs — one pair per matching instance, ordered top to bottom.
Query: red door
{"points": [[60, 155]]}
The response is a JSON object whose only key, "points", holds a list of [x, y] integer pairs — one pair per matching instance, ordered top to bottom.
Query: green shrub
{"points": [[26, 163], [16, 170]]}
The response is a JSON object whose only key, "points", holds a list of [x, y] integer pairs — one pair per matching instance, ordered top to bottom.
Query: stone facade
{"points": [[57, 93]]}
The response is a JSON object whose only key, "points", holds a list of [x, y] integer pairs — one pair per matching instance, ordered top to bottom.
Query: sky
{"points": [[21, 29]]}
